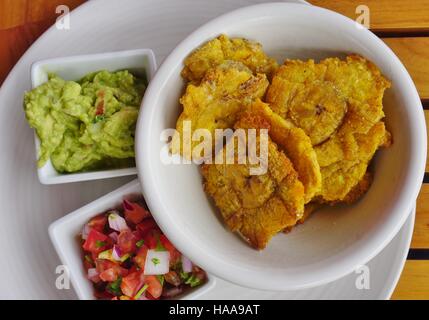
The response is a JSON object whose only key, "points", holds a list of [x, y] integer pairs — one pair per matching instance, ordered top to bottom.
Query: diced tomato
{"points": [[100, 108], [134, 212], [98, 223], [146, 225], [142, 234], [137, 235], [151, 238], [127, 241], [96, 242], [175, 255], [94, 256], [140, 258], [103, 264], [108, 270], [109, 275], [95, 278], [132, 283], [154, 286]]}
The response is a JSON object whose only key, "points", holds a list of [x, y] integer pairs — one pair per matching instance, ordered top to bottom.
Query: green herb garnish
{"points": [[98, 118], [140, 243], [100, 244], [159, 246], [89, 259], [156, 261], [184, 275], [161, 279], [193, 281], [115, 287], [140, 292]]}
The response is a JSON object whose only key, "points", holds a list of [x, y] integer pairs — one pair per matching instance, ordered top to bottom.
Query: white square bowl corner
{"points": [[74, 68], [64, 236]]}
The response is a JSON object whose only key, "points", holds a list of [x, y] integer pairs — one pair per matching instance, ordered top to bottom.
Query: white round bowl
{"points": [[335, 241]]}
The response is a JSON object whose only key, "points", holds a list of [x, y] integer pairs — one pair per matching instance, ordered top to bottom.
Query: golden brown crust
{"points": [[222, 48], [216, 102], [338, 103], [297, 146], [258, 206]]}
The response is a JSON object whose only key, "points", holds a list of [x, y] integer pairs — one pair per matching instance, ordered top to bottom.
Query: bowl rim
{"points": [[37, 67], [366, 250]]}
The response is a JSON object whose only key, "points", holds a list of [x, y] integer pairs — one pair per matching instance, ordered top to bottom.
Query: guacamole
{"points": [[88, 124]]}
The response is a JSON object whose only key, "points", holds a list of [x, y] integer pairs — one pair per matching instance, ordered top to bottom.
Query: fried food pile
{"points": [[324, 125]]}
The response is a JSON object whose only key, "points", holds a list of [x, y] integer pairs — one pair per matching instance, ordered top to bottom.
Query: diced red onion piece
{"points": [[127, 205], [116, 222], [85, 231], [114, 236], [116, 253], [157, 262], [186, 264]]}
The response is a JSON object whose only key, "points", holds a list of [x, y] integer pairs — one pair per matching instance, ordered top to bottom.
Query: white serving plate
{"points": [[75, 68], [27, 270]]}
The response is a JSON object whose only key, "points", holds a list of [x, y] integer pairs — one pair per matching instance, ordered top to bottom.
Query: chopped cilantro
{"points": [[99, 118], [140, 243], [100, 244], [159, 246], [89, 259], [156, 261], [184, 275], [161, 279], [193, 281], [115, 287], [140, 292]]}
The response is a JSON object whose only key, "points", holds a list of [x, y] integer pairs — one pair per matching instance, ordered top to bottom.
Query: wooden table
{"points": [[403, 25]]}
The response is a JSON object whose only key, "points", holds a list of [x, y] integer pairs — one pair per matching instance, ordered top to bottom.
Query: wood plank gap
{"points": [[418, 254]]}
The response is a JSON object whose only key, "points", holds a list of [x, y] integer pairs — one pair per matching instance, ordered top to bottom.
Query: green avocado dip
{"points": [[88, 124]]}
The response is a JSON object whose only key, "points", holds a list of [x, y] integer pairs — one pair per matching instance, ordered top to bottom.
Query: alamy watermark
{"points": [[363, 19], [63, 20], [225, 146]]}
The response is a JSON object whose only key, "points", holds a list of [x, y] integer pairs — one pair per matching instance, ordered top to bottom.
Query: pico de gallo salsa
{"points": [[127, 257]]}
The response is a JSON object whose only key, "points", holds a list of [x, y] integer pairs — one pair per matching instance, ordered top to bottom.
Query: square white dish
{"points": [[74, 68], [63, 233]]}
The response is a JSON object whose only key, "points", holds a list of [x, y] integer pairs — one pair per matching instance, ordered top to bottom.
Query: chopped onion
{"points": [[116, 222], [85, 231], [114, 236], [117, 254], [157, 262], [186, 264], [92, 274]]}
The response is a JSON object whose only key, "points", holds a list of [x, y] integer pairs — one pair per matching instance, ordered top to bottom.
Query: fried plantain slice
{"points": [[222, 48], [317, 96], [216, 102], [297, 146], [344, 162], [256, 206]]}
